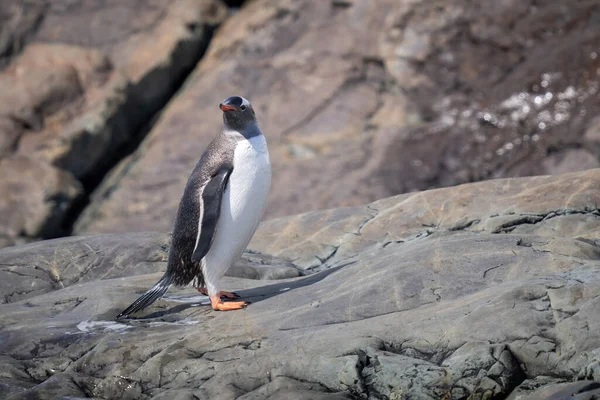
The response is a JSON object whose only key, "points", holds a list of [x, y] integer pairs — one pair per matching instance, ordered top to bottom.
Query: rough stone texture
{"points": [[78, 80], [361, 101], [35, 197], [553, 207], [92, 258], [475, 291], [530, 390]]}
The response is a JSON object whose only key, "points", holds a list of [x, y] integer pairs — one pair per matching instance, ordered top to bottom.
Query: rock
{"points": [[18, 22], [77, 83], [501, 91], [592, 133], [571, 161], [34, 197], [536, 206], [59, 263], [262, 266], [40, 267], [430, 295], [286, 388], [573, 390]]}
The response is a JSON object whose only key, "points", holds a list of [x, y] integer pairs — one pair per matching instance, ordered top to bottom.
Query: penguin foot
{"points": [[222, 294], [219, 305]]}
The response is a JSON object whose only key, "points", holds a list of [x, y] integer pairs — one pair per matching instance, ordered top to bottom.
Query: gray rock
{"points": [[263, 266], [41, 267], [453, 309], [281, 388], [530, 390]]}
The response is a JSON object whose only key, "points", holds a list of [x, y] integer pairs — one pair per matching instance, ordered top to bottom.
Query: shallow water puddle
{"points": [[106, 326], [113, 326]]}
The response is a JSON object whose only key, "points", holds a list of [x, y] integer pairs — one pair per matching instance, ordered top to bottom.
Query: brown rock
{"points": [[18, 22], [80, 79], [305, 82], [362, 101], [592, 132], [10, 135], [570, 161], [34, 197]]}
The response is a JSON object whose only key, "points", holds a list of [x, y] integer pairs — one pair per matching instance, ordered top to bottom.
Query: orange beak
{"points": [[225, 107]]}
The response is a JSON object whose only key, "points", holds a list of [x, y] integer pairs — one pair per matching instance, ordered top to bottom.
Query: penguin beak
{"points": [[226, 107]]}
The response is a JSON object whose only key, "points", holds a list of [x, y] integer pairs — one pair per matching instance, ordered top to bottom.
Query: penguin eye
{"points": [[243, 108]]}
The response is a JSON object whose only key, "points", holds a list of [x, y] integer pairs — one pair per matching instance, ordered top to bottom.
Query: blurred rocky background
{"points": [[106, 106]]}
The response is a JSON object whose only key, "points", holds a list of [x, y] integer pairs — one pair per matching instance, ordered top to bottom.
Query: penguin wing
{"points": [[211, 209]]}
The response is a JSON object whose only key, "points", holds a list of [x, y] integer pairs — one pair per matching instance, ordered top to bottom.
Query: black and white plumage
{"points": [[223, 202]]}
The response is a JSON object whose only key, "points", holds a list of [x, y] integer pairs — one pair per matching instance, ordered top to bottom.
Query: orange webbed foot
{"points": [[219, 305]]}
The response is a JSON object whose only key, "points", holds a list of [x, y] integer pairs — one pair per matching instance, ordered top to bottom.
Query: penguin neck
{"points": [[248, 132]]}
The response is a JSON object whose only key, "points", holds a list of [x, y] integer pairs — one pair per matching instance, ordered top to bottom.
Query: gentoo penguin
{"points": [[223, 202]]}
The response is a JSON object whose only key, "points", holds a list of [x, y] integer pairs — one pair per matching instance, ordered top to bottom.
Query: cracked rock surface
{"points": [[78, 80], [362, 100], [418, 296]]}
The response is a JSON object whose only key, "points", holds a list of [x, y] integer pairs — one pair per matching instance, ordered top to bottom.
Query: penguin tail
{"points": [[155, 293]]}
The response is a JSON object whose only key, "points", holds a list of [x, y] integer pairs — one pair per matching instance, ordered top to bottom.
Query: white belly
{"points": [[242, 206]]}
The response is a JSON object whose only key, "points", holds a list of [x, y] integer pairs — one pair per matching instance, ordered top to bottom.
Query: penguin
{"points": [[222, 204]]}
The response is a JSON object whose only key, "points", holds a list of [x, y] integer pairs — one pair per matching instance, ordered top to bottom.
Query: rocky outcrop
{"points": [[78, 81], [362, 101], [475, 291]]}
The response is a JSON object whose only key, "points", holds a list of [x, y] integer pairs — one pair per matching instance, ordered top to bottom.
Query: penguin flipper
{"points": [[211, 210]]}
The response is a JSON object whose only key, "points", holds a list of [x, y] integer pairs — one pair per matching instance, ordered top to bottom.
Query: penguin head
{"points": [[238, 113]]}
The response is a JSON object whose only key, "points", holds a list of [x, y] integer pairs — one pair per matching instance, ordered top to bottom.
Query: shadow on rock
{"points": [[253, 295]]}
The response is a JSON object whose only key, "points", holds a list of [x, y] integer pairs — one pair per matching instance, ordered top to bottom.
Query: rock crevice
{"points": [[76, 101]]}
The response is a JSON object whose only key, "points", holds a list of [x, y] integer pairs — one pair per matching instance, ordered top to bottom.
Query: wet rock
{"points": [[77, 83], [398, 98], [421, 296]]}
